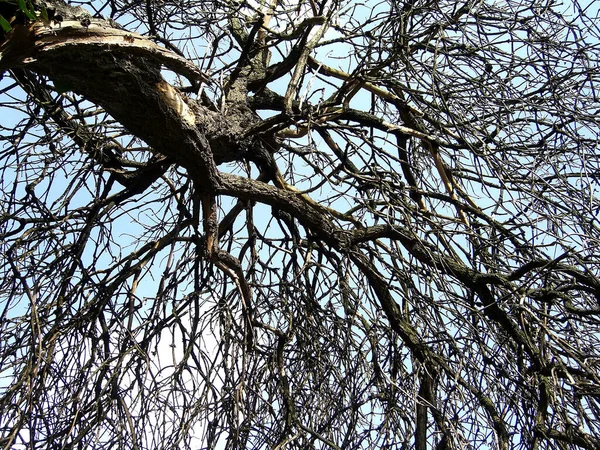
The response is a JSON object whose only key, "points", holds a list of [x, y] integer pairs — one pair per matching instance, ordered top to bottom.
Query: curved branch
{"points": [[94, 61]]}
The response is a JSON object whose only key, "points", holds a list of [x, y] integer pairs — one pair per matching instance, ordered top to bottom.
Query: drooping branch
{"points": [[352, 280]]}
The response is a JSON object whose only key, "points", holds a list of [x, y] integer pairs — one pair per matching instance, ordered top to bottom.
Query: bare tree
{"points": [[297, 224]]}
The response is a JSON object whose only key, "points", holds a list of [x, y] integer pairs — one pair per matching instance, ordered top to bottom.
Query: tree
{"points": [[300, 224]]}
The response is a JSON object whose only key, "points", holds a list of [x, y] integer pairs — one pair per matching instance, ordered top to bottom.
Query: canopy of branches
{"points": [[296, 224]]}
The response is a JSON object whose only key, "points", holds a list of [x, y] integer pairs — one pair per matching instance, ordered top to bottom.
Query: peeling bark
{"points": [[120, 72]]}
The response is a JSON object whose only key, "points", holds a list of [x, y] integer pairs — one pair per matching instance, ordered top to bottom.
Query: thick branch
{"points": [[120, 72]]}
